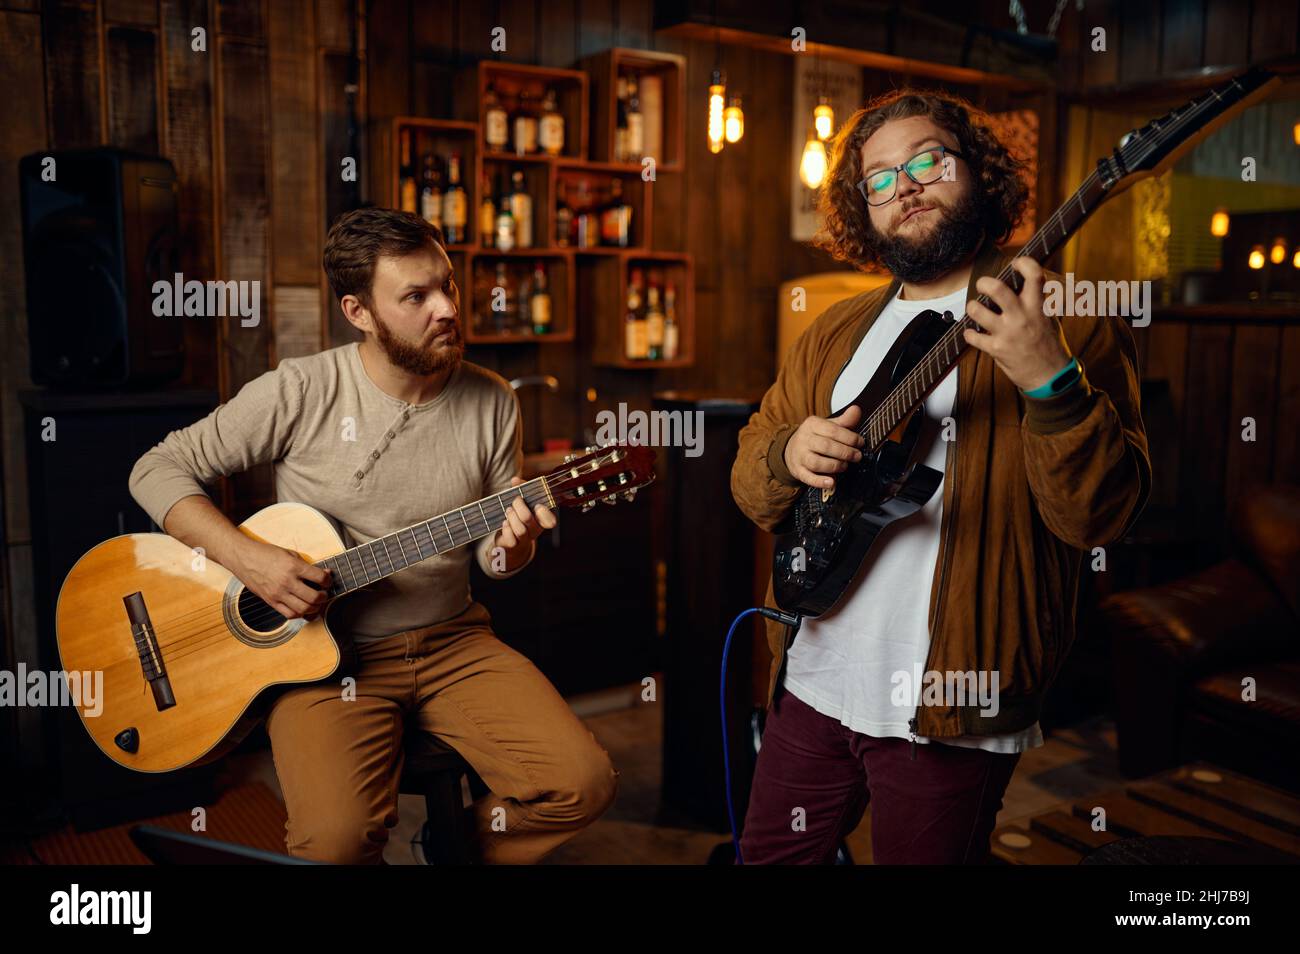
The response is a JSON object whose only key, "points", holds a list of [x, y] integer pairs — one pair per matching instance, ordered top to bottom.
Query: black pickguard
{"points": [[822, 542]]}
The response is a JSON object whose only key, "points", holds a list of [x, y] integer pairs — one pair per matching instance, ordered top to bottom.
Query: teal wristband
{"points": [[1061, 382]]}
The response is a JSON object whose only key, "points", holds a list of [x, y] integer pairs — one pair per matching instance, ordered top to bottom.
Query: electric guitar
{"points": [[826, 536], [187, 651]]}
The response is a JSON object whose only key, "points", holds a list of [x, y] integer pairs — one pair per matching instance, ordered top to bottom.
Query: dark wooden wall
{"points": [[1219, 365]]}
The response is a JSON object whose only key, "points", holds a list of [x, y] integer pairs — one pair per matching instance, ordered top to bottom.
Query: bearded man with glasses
{"points": [[1041, 463]]}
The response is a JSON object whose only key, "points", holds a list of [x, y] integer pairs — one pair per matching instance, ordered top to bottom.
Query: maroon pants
{"points": [[815, 778]]}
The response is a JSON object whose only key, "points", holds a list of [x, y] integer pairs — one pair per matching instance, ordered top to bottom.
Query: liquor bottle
{"points": [[620, 123], [635, 123], [496, 125], [525, 127], [550, 130], [407, 192], [430, 193], [521, 206], [455, 214], [563, 215], [487, 216], [616, 218], [586, 220], [505, 230], [499, 300], [523, 302], [540, 305], [654, 323], [671, 328], [635, 343]]}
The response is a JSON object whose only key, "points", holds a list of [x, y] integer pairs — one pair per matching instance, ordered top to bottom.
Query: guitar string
{"points": [[952, 337], [175, 620], [211, 620]]}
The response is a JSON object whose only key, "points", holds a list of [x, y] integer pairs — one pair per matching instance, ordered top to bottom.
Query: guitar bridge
{"points": [[146, 646]]}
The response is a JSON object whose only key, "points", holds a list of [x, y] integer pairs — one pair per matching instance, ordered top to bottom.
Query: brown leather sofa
{"points": [[1182, 651]]}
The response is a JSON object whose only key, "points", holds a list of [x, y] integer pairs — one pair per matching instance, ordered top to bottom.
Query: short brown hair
{"points": [[998, 185], [358, 238]]}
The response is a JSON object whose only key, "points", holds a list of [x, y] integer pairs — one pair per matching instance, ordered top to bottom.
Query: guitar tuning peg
{"points": [[568, 458], [629, 495], [611, 499], [589, 505]]}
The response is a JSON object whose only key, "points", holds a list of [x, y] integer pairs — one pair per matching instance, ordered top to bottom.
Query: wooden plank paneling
{"points": [[133, 12], [240, 18], [519, 19], [332, 21], [597, 21], [635, 24], [1273, 27], [1182, 35], [556, 37], [1226, 39], [1139, 43], [132, 57], [1100, 69], [72, 74], [187, 108], [334, 145], [296, 188], [245, 227], [1254, 395], [1206, 427], [1286, 454]]}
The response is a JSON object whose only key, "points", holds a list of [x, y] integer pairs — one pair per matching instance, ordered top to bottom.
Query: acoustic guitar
{"points": [[823, 540], [188, 653]]}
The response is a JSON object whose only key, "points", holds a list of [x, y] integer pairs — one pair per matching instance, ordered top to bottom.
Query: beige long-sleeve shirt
{"points": [[370, 461]]}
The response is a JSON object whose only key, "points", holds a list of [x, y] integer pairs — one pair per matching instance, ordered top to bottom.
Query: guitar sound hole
{"points": [[256, 614]]}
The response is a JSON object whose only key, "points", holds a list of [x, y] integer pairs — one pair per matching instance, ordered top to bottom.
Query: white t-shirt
{"points": [[860, 663]]}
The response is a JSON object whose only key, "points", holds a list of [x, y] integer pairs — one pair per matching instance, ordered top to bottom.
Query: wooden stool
{"points": [[434, 769]]}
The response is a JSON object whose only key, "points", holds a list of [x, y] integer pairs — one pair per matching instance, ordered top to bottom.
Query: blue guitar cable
{"points": [[788, 619]]}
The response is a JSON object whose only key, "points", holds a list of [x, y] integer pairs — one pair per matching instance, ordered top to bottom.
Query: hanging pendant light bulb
{"points": [[717, 94], [824, 118], [733, 120], [812, 165]]}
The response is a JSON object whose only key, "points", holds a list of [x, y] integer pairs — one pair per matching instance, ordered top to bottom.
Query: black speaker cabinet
{"points": [[100, 227], [80, 451], [709, 554]]}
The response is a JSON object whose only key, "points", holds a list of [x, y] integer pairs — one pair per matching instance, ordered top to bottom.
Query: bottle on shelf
{"points": [[620, 120], [496, 124], [635, 124], [525, 126], [550, 129], [407, 191], [430, 193], [521, 206], [455, 212], [563, 214], [487, 216], [616, 218], [586, 219], [505, 230], [500, 300], [523, 302], [540, 304], [654, 321], [671, 329], [635, 343]]}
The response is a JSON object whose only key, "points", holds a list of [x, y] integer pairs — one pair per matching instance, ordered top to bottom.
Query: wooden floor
{"points": [[1070, 765]]}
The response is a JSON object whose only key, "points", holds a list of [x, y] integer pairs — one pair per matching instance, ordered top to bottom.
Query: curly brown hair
{"points": [[999, 180], [357, 239]]}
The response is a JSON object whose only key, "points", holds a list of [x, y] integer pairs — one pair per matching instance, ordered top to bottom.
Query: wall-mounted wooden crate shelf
{"points": [[664, 125], [441, 138], [603, 283], [485, 326]]}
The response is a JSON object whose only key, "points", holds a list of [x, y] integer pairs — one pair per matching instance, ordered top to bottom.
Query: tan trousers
{"points": [[339, 759]]}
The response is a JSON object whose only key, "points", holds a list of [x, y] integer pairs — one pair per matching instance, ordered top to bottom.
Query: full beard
{"points": [[924, 259], [417, 359]]}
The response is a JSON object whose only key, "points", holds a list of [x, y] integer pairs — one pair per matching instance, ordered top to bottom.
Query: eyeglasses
{"points": [[923, 168]]}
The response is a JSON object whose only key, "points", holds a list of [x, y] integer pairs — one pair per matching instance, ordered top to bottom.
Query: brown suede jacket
{"points": [[1030, 487]]}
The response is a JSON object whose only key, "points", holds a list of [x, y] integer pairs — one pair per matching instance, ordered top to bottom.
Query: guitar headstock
{"points": [[1157, 145], [601, 474]]}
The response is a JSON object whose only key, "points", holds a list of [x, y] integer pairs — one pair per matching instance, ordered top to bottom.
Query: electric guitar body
{"points": [[829, 535]]}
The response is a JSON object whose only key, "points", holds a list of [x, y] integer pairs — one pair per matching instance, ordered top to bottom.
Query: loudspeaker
{"points": [[100, 226]]}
